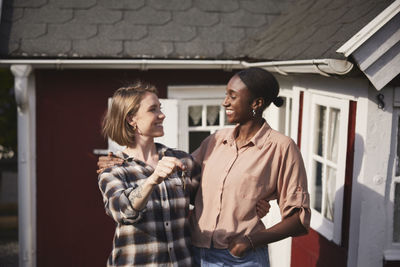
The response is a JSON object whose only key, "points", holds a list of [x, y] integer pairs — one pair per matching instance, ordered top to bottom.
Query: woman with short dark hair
{"points": [[240, 166]]}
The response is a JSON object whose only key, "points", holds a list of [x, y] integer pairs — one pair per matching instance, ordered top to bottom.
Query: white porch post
{"points": [[24, 87]]}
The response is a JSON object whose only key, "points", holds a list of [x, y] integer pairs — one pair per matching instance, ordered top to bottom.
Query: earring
{"points": [[254, 113], [134, 127]]}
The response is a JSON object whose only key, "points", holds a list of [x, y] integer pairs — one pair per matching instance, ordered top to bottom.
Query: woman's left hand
{"points": [[262, 208], [239, 247]]}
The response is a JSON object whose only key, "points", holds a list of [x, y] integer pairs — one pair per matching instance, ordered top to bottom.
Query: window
{"points": [[199, 113], [285, 114], [203, 117], [280, 118], [326, 127]]}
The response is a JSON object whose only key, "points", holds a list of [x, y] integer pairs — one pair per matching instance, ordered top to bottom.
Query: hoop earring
{"points": [[254, 113]]}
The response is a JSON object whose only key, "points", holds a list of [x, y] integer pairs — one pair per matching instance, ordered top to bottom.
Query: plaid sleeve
{"points": [[116, 196]]}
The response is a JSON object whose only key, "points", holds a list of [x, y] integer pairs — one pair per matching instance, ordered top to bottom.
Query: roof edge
{"points": [[370, 29], [325, 67]]}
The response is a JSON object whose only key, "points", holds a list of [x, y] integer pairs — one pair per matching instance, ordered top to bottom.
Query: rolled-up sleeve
{"points": [[292, 185], [116, 196]]}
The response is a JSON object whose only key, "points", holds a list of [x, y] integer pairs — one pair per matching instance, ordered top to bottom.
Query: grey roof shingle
{"points": [[133, 29], [197, 29], [313, 29]]}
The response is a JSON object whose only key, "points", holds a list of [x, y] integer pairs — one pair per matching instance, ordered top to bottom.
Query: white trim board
{"points": [[370, 29]]}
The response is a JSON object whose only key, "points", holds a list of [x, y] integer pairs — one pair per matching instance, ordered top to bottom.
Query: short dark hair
{"points": [[261, 83]]}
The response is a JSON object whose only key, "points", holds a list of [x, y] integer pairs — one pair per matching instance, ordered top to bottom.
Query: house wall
{"points": [[374, 178], [72, 227]]}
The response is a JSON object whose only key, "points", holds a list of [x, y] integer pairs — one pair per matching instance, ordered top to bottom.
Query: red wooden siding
{"points": [[301, 100], [351, 135], [72, 227], [315, 250]]}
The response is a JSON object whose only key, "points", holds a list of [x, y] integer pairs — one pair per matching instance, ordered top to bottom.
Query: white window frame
{"points": [[201, 95], [273, 114], [185, 128], [112, 146], [330, 230], [392, 251]]}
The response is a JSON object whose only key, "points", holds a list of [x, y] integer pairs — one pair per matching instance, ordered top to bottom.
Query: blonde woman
{"points": [[148, 195]]}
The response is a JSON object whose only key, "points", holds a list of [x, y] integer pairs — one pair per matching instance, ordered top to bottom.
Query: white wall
{"points": [[375, 175]]}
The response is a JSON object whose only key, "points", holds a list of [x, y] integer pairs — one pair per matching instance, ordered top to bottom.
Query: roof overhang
{"points": [[376, 47], [324, 67]]}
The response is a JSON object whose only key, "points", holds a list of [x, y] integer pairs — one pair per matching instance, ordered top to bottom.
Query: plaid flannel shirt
{"points": [[159, 234]]}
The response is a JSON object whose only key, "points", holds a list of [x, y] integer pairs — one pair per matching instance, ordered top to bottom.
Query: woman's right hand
{"points": [[165, 167]]}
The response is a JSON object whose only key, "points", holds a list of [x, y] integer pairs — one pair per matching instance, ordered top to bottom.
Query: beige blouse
{"points": [[269, 167]]}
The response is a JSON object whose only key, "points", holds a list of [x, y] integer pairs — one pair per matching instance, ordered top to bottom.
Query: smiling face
{"points": [[237, 102], [149, 118]]}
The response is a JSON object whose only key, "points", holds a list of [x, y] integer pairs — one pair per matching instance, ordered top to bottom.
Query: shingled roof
{"points": [[173, 29], [313, 29]]}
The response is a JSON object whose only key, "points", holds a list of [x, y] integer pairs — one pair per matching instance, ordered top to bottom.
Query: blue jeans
{"points": [[212, 257]]}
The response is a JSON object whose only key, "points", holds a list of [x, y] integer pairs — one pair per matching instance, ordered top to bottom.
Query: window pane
{"points": [[195, 113], [212, 115], [319, 130], [333, 137], [195, 139], [317, 174], [330, 191], [396, 215]]}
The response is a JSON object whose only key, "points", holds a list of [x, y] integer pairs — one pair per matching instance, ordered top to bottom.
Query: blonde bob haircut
{"points": [[125, 103]]}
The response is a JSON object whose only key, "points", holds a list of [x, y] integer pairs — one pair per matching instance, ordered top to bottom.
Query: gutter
{"points": [[325, 67]]}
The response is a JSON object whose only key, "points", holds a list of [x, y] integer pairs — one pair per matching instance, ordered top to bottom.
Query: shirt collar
{"points": [[259, 139], [161, 149]]}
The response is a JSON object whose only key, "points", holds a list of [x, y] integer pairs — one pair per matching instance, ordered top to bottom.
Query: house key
{"points": [[183, 175]]}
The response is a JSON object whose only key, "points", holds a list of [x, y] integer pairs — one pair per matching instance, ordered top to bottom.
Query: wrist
{"points": [[151, 181], [250, 242]]}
